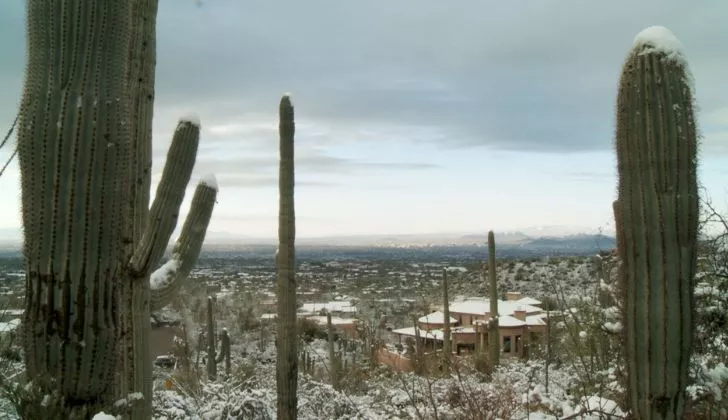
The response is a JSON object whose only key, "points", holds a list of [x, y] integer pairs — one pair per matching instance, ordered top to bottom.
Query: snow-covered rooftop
{"points": [[529, 301], [333, 306], [479, 306], [436, 318], [335, 320], [509, 321], [410, 331]]}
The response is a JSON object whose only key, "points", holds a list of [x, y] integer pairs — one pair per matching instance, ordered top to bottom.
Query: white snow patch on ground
{"points": [[103, 416]]}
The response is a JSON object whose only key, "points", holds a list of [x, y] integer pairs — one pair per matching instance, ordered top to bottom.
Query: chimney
{"points": [[511, 296], [520, 313]]}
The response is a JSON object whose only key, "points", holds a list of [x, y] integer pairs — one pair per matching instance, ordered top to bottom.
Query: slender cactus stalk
{"points": [[657, 218], [494, 332], [287, 339], [446, 344], [211, 353], [333, 368]]}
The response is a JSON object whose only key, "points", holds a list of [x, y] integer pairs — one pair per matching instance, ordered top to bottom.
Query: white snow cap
{"points": [[659, 39], [287, 95], [193, 119], [210, 181], [103, 416]]}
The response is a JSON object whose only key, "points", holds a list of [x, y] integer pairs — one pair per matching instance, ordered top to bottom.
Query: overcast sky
{"points": [[412, 116]]}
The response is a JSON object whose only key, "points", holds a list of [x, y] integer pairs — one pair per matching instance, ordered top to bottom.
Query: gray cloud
{"points": [[502, 75]]}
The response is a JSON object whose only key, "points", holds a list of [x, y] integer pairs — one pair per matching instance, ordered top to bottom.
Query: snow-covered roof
{"points": [[529, 301], [333, 306], [479, 306], [269, 316], [437, 317], [335, 320], [535, 320], [509, 321], [410, 331]]}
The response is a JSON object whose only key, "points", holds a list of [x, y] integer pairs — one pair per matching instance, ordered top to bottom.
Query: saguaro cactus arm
{"points": [[170, 194], [657, 218], [166, 281]]}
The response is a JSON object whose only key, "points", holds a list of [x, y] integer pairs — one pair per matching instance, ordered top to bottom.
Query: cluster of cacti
{"points": [[657, 222], [91, 240], [493, 331], [286, 339], [446, 341]]}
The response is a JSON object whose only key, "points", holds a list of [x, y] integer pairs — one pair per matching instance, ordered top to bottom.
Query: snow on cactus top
{"points": [[658, 39], [193, 119], [210, 181]]}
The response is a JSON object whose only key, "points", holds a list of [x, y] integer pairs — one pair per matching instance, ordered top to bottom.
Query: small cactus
{"points": [[494, 332], [446, 343], [333, 365]]}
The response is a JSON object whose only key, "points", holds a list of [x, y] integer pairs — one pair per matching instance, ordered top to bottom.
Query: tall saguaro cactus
{"points": [[73, 153], [657, 219], [91, 241], [494, 332], [287, 339]]}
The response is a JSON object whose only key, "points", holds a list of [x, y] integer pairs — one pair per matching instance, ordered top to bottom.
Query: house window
{"points": [[507, 344]]}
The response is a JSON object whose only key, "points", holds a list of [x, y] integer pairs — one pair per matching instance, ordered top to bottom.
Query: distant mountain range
{"points": [[537, 239]]}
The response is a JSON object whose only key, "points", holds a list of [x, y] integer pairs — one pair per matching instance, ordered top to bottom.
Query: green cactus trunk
{"points": [[85, 147], [73, 151], [658, 223], [493, 330], [287, 339], [446, 343], [211, 353], [224, 354], [333, 367]]}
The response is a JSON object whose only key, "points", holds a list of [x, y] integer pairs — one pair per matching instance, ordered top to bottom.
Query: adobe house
{"points": [[520, 322]]}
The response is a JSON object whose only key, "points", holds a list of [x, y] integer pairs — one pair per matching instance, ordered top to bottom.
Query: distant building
{"points": [[520, 321]]}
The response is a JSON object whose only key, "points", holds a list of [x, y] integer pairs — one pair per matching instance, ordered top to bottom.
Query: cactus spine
{"points": [[85, 147], [657, 218], [493, 333], [446, 344], [286, 360]]}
